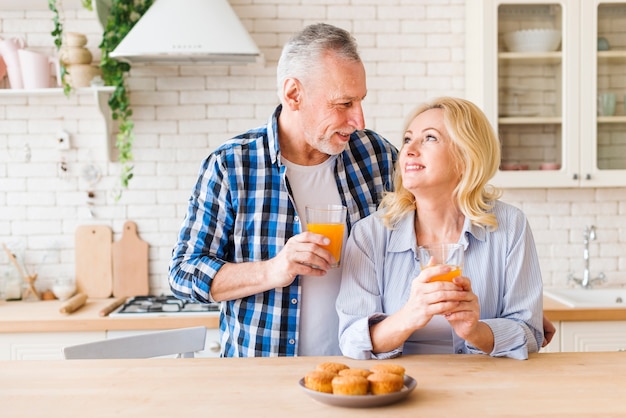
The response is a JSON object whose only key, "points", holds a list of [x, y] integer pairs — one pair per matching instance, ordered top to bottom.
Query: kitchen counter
{"points": [[556, 311], [44, 316], [550, 384]]}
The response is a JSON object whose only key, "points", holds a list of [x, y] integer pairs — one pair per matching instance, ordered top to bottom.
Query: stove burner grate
{"points": [[164, 304]]}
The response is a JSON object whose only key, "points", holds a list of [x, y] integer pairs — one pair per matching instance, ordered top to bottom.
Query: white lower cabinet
{"points": [[583, 336], [555, 343], [42, 345]]}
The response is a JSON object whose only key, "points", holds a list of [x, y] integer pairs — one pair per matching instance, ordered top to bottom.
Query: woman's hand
{"points": [[426, 299], [464, 319]]}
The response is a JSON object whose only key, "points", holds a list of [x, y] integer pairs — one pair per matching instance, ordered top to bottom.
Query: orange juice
{"points": [[334, 232], [447, 277]]}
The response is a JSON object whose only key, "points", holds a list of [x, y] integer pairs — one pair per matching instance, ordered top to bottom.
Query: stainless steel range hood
{"points": [[188, 31]]}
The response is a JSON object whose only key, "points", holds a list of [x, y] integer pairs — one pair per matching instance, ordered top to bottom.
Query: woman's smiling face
{"points": [[425, 159]]}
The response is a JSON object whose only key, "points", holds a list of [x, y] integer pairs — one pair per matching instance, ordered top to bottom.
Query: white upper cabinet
{"points": [[544, 101]]}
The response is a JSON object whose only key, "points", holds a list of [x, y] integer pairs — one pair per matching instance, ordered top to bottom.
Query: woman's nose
{"points": [[412, 148]]}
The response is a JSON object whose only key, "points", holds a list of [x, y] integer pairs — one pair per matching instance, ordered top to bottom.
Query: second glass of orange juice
{"points": [[328, 220], [448, 254]]}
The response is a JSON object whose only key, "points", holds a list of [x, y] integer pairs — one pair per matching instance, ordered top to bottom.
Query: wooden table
{"points": [[555, 385]]}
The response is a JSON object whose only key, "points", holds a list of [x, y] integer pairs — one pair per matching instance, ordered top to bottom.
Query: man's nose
{"points": [[356, 117]]}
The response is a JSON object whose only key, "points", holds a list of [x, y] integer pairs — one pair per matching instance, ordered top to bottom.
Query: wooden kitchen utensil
{"points": [[130, 264], [94, 270], [28, 278], [73, 304], [112, 306]]}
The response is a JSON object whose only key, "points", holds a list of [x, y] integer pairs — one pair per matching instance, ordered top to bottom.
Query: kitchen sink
{"points": [[589, 298]]}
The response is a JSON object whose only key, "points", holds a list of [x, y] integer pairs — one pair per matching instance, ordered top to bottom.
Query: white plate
{"points": [[362, 401]]}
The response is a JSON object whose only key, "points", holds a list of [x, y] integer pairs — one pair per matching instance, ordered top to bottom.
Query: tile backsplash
{"points": [[412, 51]]}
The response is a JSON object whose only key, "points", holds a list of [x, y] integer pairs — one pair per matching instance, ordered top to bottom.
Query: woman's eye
{"points": [[430, 138], [406, 140]]}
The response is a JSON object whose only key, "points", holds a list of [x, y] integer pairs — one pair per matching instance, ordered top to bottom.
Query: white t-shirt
{"points": [[319, 324]]}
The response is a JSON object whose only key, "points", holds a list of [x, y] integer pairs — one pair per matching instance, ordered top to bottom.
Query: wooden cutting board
{"points": [[130, 264], [94, 271]]}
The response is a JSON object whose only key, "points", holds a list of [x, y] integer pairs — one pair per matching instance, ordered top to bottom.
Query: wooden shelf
{"points": [[23, 5], [617, 56], [548, 57], [55, 91], [611, 119], [530, 120]]}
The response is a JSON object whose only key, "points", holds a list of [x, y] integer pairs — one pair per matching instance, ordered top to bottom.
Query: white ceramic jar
{"points": [[63, 288]]}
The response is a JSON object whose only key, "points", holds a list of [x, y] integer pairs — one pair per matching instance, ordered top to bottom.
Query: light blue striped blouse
{"points": [[379, 265]]}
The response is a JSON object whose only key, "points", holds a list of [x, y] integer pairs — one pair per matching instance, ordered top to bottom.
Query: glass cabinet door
{"points": [[530, 86], [535, 87], [605, 92], [556, 97]]}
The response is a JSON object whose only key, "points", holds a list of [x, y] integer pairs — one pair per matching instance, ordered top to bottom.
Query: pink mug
{"points": [[8, 50], [37, 69]]}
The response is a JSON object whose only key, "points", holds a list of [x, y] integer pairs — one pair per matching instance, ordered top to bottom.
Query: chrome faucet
{"points": [[587, 282]]}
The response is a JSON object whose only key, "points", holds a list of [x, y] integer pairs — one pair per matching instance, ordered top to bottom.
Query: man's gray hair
{"points": [[301, 54]]}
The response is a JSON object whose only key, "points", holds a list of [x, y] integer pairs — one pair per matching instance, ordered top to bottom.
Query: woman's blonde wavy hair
{"points": [[476, 152]]}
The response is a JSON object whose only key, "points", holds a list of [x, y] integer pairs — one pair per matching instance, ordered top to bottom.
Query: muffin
{"points": [[331, 367], [388, 368], [354, 372], [319, 381], [382, 383], [350, 385]]}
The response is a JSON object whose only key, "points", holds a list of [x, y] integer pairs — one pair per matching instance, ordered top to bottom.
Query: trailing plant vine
{"points": [[123, 16], [57, 34]]}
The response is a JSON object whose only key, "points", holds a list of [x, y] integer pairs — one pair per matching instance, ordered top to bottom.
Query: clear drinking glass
{"points": [[328, 220], [437, 254]]}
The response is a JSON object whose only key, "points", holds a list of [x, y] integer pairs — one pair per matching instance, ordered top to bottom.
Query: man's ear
{"points": [[292, 93]]}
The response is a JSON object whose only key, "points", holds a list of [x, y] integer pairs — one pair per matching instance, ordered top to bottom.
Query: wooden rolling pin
{"points": [[73, 304], [112, 306]]}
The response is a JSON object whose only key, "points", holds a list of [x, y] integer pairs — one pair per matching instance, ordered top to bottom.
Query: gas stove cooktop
{"points": [[164, 306]]}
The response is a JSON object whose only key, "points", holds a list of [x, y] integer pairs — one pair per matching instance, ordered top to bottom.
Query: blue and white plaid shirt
{"points": [[241, 210]]}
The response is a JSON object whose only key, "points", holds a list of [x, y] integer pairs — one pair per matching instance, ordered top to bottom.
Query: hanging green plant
{"points": [[123, 14], [57, 34]]}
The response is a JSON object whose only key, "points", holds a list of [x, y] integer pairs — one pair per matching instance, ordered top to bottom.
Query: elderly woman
{"points": [[387, 305]]}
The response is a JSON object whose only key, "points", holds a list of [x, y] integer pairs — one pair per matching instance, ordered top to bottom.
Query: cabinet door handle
{"points": [[575, 176], [588, 177], [214, 347]]}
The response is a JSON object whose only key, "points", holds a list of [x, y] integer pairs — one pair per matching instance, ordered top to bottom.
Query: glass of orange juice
{"points": [[328, 220], [436, 254]]}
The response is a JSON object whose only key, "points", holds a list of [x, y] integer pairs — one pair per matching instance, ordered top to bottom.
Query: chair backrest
{"points": [[183, 342]]}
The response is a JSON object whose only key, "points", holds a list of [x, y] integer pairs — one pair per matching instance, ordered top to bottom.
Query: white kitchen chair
{"points": [[183, 342]]}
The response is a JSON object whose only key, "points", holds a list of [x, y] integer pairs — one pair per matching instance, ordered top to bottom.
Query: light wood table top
{"points": [[549, 384]]}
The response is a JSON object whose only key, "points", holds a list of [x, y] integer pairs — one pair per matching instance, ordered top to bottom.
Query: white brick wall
{"points": [[412, 50]]}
